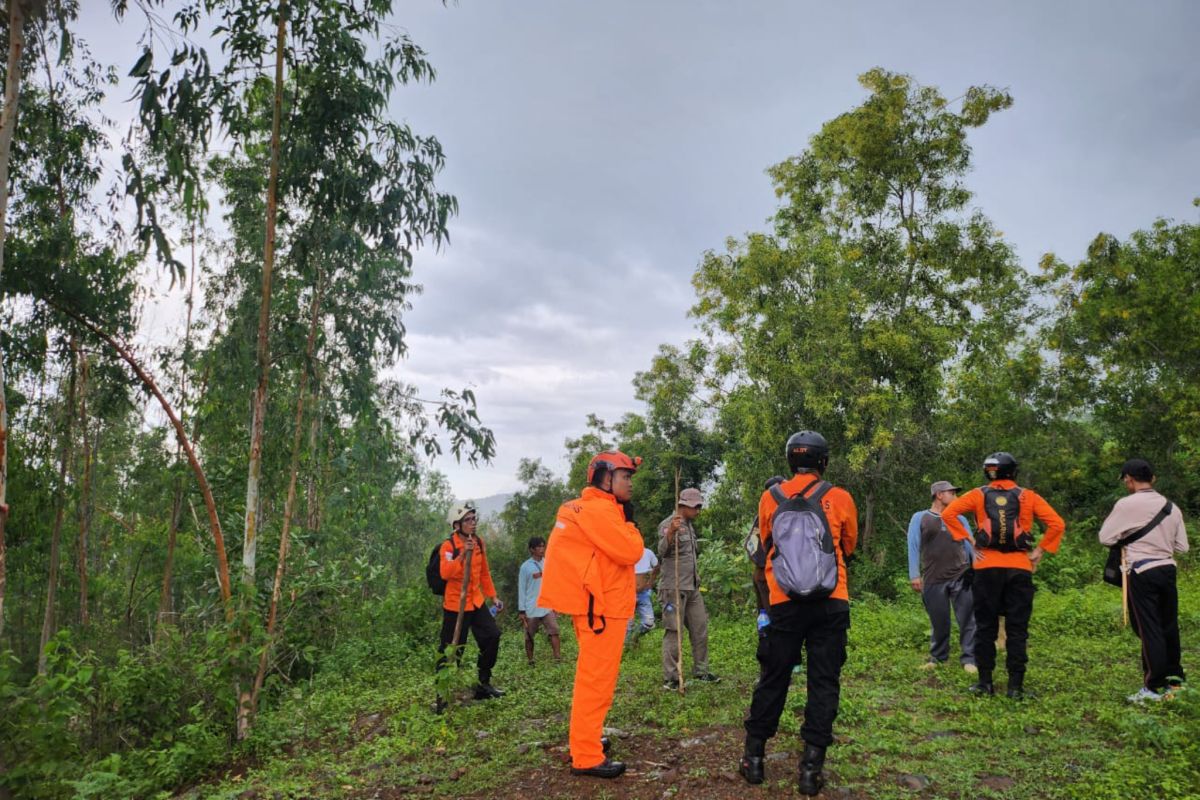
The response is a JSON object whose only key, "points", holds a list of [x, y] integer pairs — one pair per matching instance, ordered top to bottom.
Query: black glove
{"points": [[627, 507]]}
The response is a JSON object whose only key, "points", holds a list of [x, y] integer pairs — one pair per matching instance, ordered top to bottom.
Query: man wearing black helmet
{"points": [[808, 528], [1007, 557]]}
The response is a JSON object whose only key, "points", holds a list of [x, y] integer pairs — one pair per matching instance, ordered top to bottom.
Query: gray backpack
{"points": [[801, 544]]}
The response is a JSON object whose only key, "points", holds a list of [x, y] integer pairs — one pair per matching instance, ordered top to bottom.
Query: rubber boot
{"points": [[751, 765], [811, 765]]}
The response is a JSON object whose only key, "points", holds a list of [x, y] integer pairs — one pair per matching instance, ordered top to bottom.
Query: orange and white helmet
{"points": [[611, 460], [459, 512]]}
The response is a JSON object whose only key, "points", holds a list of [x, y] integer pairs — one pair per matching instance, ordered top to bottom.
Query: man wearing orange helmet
{"points": [[588, 574]]}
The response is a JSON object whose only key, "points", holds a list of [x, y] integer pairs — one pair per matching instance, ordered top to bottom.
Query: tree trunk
{"points": [[8, 124], [85, 495], [60, 502], [290, 503], [214, 521], [250, 538], [250, 542], [164, 597]]}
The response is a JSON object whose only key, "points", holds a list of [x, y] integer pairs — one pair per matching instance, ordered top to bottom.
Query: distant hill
{"points": [[492, 505]]}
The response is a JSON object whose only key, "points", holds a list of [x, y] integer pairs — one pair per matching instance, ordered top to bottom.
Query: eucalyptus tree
{"points": [[877, 273]]}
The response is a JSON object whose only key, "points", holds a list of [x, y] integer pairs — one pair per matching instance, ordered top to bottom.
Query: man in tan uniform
{"points": [[677, 557]]}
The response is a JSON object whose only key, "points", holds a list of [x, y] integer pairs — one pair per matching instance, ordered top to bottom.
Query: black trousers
{"points": [[1006, 591], [1154, 609], [820, 629], [487, 636]]}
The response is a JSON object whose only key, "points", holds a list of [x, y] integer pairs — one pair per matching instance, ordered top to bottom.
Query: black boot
{"points": [[485, 691], [751, 765], [811, 765], [605, 769]]}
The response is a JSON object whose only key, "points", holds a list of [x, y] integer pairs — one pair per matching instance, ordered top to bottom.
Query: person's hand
{"points": [[470, 543], [1035, 556], [916, 584], [498, 603]]}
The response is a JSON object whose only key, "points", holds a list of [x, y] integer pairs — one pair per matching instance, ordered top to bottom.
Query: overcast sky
{"points": [[598, 149]]}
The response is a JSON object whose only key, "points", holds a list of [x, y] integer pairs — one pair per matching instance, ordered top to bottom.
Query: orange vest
{"points": [[1032, 507], [842, 514], [589, 559], [451, 569]]}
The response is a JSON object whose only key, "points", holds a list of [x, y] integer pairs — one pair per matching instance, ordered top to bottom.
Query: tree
{"points": [[876, 274]]}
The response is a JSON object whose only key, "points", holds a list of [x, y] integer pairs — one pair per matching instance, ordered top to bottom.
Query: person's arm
{"points": [[961, 505], [1115, 525], [1055, 527], [849, 534], [1181, 535], [617, 539], [665, 540], [968, 548], [914, 550], [523, 579], [485, 581]]}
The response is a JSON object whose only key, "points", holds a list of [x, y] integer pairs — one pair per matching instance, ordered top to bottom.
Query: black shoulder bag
{"points": [[1112, 567]]}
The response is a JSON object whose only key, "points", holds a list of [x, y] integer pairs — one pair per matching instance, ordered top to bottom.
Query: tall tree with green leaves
{"points": [[876, 274]]}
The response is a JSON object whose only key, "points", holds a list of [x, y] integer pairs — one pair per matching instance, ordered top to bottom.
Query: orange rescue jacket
{"points": [[1032, 506], [843, 525], [589, 560], [451, 568]]}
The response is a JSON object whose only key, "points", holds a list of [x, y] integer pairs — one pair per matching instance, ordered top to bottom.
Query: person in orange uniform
{"points": [[1007, 557], [588, 574], [476, 617], [816, 624]]}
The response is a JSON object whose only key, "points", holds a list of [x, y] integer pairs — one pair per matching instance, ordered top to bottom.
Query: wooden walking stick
{"points": [[462, 603], [678, 615]]}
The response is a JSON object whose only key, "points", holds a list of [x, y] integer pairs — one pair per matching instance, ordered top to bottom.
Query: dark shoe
{"points": [[707, 677], [671, 685], [982, 689], [485, 691], [1018, 693], [439, 706], [812, 764], [751, 768], [605, 769]]}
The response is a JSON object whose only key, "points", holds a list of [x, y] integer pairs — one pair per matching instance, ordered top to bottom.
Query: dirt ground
{"points": [[700, 767]]}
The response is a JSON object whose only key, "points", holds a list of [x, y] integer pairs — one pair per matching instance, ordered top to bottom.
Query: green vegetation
{"points": [[364, 725]]}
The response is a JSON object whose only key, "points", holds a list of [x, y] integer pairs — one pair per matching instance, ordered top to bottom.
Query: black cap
{"points": [[1139, 469]]}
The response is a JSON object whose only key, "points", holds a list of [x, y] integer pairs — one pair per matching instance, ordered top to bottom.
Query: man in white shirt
{"points": [[645, 573], [1153, 598], [531, 615]]}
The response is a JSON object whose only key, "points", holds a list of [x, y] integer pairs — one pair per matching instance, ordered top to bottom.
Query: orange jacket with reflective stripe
{"points": [[1032, 506], [843, 524], [589, 558], [451, 568]]}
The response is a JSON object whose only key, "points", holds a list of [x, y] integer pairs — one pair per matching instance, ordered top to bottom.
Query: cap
{"points": [[1139, 469], [941, 486], [691, 497]]}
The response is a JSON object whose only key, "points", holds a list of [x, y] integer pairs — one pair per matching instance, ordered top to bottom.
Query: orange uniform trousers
{"points": [[596, 669]]}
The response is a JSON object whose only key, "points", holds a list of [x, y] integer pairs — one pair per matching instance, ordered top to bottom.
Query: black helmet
{"points": [[807, 450], [1000, 466]]}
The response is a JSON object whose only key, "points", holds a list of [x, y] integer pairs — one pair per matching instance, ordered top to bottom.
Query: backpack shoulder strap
{"points": [[817, 490], [779, 495], [1149, 526]]}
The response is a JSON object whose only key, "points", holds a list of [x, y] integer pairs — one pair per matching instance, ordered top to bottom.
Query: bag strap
{"points": [[807, 493], [1149, 526], [591, 618]]}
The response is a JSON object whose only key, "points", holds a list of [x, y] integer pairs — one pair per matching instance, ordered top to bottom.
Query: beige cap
{"points": [[941, 486], [691, 498]]}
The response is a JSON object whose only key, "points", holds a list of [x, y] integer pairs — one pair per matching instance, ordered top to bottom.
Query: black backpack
{"points": [[1000, 528], [433, 570]]}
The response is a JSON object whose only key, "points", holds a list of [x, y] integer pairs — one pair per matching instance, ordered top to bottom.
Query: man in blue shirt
{"points": [[940, 569], [529, 585]]}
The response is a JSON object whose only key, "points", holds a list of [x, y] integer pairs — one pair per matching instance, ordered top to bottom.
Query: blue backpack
{"points": [[800, 544]]}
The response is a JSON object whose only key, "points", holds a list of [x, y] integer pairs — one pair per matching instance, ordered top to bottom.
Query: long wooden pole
{"points": [[1124, 591], [462, 600], [678, 610]]}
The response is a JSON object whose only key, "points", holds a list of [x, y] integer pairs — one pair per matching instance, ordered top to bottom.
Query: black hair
{"points": [[536, 541]]}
